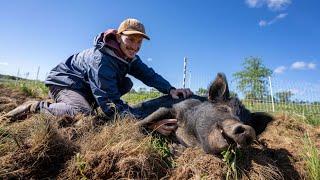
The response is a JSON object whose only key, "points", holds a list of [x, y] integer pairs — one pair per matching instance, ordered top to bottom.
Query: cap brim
{"points": [[135, 32]]}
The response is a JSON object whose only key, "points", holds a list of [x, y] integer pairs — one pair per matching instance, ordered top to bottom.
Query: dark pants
{"points": [[70, 102]]}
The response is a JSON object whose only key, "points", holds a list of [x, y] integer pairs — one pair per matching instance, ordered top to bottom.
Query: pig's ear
{"points": [[219, 90], [160, 114], [259, 121]]}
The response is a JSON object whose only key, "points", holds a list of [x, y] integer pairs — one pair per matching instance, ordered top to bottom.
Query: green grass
{"points": [[31, 88], [34, 88], [134, 98], [309, 114], [313, 119], [161, 145], [230, 157], [312, 158], [81, 165]]}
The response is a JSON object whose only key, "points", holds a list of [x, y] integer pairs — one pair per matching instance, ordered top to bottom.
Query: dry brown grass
{"points": [[13, 94], [6, 104], [41, 146], [118, 150], [41, 152], [195, 164]]}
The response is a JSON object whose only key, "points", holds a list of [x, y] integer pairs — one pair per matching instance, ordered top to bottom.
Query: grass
{"points": [[35, 89], [134, 98], [309, 114], [313, 119], [6, 139], [161, 145], [158, 146], [311, 154], [230, 157], [312, 158], [81, 164]]}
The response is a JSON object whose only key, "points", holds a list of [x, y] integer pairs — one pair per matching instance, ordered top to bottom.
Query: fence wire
{"points": [[274, 95], [278, 95]]}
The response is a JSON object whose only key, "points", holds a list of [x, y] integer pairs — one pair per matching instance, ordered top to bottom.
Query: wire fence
{"points": [[270, 94], [274, 95]]}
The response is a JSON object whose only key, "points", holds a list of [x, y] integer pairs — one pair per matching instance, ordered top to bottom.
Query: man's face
{"points": [[130, 44]]}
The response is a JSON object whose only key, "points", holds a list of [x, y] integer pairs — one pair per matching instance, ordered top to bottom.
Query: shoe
{"points": [[27, 107]]}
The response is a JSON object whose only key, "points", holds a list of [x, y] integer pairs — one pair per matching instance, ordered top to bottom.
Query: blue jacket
{"points": [[98, 71]]}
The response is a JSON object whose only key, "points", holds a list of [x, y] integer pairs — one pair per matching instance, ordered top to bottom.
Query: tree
{"points": [[252, 80], [142, 90], [153, 90], [133, 91], [202, 91], [233, 94], [284, 96], [316, 103]]}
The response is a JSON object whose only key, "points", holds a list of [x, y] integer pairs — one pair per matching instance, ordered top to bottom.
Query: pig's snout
{"points": [[243, 135]]}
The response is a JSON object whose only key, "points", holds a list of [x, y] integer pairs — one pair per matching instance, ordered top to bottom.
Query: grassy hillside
{"points": [[38, 146]]}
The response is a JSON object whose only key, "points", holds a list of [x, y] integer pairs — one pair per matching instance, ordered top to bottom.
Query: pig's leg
{"points": [[161, 113], [186, 139]]}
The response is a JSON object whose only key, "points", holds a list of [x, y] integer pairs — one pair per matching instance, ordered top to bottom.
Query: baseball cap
{"points": [[132, 26]]}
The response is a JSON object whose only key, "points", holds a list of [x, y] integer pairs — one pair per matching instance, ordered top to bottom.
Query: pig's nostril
{"points": [[239, 130]]}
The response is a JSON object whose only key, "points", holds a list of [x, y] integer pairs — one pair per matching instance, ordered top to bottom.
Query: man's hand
{"points": [[184, 92], [165, 126]]}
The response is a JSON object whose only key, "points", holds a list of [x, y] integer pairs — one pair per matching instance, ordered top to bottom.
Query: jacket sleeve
{"points": [[147, 75], [103, 84]]}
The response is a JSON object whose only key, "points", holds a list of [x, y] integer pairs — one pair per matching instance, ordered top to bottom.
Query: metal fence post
{"points": [[184, 72], [18, 73], [37, 78], [190, 79], [271, 93]]}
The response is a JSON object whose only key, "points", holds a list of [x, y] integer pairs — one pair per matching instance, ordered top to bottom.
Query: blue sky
{"points": [[216, 36]]}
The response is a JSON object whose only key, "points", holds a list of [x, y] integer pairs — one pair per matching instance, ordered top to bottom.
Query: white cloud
{"points": [[253, 3], [271, 4], [278, 4], [282, 15], [263, 23], [149, 59], [4, 64], [298, 65], [301, 65], [311, 66], [280, 69]]}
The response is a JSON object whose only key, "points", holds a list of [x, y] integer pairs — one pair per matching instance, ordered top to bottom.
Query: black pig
{"points": [[212, 123]]}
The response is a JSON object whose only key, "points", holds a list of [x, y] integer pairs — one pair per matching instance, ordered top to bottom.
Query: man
{"points": [[97, 77]]}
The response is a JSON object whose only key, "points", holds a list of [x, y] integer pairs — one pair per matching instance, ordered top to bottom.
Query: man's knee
{"points": [[125, 86], [69, 102]]}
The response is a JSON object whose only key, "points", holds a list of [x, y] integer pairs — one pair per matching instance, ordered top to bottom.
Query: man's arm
{"points": [[147, 75], [103, 84]]}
